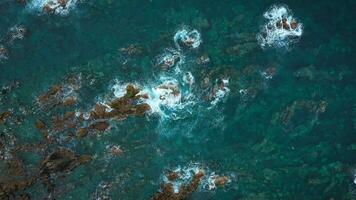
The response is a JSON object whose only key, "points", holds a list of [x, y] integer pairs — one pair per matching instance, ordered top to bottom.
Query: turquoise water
{"points": [[289, 136]]}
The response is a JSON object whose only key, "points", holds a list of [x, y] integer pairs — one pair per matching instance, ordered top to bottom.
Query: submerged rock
{"points": [[132, 50], [62, 160]]}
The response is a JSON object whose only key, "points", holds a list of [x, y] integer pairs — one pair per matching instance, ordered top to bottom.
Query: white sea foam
{"points": [[53, 6], [281, 29], [188, 38], [188, 78], [220, 91], [165, 97], [185, 175], [210, 183]]}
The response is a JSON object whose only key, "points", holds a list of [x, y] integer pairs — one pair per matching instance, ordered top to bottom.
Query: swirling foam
{"points": [[39, 5], [281, 30], [188, 38]]}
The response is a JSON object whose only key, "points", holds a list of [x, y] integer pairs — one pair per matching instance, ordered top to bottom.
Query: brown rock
{"points": [[63, 3], [285, 24], [294, 25], [51, 93], [69, 101], [4, 116], [40, 125], [99, 126], [82, 132], [117, 151], [62, 160], [172, 176], [221, 180]]}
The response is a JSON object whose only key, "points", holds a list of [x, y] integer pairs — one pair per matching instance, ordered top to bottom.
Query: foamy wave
{"points": [[60, 7], [281, 30], [187, 38], [220, 91], [165, 98], [169, 99], [183, 175], [214, 180]]}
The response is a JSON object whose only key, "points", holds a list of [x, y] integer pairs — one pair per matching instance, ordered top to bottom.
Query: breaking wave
{"points": [[281, 29]]}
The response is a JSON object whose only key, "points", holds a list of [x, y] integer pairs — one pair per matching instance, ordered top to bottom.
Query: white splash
{"points": [[59, 7], [281, 30], [188, 38], [189, 79], [119, 88], [220, 91], [165, 97], [211, 182]]}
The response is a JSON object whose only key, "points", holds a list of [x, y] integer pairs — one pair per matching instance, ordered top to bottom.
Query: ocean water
{"points": [[260, 92]]}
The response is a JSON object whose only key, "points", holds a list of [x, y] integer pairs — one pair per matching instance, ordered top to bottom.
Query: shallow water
{"points": [[278, 121]]}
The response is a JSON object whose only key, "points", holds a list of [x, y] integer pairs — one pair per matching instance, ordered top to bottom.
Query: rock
{"points": [[63, 3], [285, 24], [294, 25], [131, 91], [50, 94], [69, 101], [5, 115], [40, 125], [99, 126], [82, 132], [116, 150], [63, 160], [172, 176], [221, 180], [10, 189], [185, 191]]}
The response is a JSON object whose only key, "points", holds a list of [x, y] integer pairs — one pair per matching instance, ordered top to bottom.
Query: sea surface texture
{"points": [[175, 100]]}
